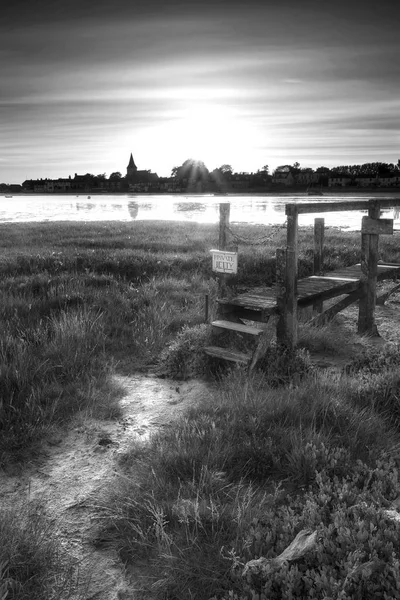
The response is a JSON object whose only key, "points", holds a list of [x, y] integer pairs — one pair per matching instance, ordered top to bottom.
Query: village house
{"points": [[283, 176], [307, 178], [366, 180], [339, 181], [390, 181]]}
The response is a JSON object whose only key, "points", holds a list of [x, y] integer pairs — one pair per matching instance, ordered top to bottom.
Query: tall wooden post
{"points": [[224, 214], [319, 227], [369, 272], [287, 293]]}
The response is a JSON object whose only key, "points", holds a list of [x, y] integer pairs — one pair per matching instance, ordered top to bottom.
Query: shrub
{"points": [[184, 357], [281, 366]]}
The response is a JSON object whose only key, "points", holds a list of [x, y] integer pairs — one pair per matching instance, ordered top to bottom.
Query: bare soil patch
{"points": [[77, 465]]}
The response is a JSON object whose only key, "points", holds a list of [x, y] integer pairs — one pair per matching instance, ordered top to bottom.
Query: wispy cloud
{"points": [[86, 88]]}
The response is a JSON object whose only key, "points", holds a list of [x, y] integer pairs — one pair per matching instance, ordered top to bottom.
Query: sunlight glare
{"points": [[211, 133]]}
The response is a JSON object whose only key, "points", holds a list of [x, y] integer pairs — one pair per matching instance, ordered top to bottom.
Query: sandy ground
{"points": [[68, 478]]}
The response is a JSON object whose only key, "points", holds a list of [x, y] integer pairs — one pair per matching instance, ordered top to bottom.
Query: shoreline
{"points": [[278, 192]]}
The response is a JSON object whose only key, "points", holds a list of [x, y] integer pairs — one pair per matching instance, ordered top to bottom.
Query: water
{"points": [[263, 210]]}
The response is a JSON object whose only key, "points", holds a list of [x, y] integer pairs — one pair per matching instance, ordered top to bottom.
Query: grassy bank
{"points": [[237, 478]]}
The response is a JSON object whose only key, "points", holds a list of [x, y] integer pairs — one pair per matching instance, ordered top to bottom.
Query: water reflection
{"points": [[133, 209], [263, 210]]}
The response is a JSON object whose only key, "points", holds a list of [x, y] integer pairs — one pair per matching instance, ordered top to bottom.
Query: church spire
{"points": [[131, 169]]}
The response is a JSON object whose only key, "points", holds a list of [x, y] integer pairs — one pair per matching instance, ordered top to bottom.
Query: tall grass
{"points": [[235, 477], [191, 499], [33, 565]]}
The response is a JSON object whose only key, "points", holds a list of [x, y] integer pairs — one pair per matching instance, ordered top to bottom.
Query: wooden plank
{"points": [[343, 205], [377, 226], [386, 265], [332, 278], [333, 292], [249, 301], [330, 312], [238, 327], [225, 354]]}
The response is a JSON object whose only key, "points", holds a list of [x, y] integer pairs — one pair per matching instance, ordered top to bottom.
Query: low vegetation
{"points": [[235, 479], [33, 566]]}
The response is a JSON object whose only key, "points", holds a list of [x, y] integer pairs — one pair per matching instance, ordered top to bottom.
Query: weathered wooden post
{"points": [[224, 214], [372, 227], [319, 228], [369, 271], [287, 293]]}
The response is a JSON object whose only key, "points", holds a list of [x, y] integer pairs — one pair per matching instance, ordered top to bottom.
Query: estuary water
{"points": [[259, 209]]}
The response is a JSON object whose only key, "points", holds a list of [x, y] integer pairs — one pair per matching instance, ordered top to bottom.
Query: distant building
{"points": [[131, 169], [134, 176], [283, 176], [307, 178], [366, 180], [339, 181], [389, 181]]}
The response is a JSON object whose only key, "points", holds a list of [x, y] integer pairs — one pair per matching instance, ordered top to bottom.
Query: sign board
{"points": [[377, 226], [224, 262]]}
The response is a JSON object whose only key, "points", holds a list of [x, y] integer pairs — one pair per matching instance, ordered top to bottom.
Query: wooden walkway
{"points": [[352, 284], [261, 303]]}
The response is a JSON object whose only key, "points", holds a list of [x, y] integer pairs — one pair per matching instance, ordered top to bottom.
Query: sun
{"points": [[211, 133]]}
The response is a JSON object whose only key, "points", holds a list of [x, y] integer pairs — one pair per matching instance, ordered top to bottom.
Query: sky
{"points": [[83, 84]]}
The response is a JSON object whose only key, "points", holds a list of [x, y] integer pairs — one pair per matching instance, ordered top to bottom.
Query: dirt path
{"points": [[76, 467]]}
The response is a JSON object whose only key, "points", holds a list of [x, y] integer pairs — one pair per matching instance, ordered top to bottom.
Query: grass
{"points": [[237, 477], [199, 505], [33, 565]]}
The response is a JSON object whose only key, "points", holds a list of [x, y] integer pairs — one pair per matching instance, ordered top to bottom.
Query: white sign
{"points": [[224, 262]]}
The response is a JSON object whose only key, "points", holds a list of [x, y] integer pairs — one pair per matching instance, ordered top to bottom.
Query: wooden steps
{"points": [[260, 304], [237, 327], [254, 334], [229, 355]]}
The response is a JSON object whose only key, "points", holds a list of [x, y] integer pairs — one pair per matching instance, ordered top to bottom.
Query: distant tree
{"points": [[296, 168], [226, 169], [265, 169], [283, 169], [193, 170], [322, 170], [174, 171], [115, 176], [101, 177]]}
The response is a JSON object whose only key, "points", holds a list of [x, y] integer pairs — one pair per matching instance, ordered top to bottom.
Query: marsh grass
{"points": [[238, 475], [190, 499], [33, 565]]}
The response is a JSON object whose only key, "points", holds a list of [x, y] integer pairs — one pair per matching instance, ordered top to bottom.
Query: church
{"points": [[133, 175]]}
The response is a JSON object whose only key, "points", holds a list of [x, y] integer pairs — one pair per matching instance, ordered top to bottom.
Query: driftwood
{"points": [[262, 567]]}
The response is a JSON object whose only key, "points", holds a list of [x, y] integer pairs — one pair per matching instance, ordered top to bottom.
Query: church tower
{"points": [[131, 169]]}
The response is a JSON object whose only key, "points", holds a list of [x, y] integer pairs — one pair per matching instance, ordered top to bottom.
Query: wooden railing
{"points": [[287, 260]]}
